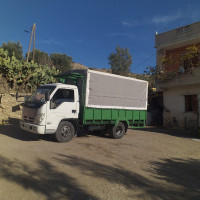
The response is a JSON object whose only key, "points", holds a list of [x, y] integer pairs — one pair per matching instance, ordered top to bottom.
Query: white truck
{"points": [[89, 100]]}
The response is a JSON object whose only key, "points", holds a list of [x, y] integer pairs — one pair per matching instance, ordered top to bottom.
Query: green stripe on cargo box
{"points": [[134, 118]]}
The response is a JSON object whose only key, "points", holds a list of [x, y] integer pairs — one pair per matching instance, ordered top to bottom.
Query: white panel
{"points": [[112, 91]]}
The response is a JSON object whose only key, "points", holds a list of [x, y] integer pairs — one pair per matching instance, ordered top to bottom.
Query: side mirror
{"points": [[47, 96]]}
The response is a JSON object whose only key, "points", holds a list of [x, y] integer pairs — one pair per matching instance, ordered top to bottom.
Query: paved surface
{"points": [[144, 164]]}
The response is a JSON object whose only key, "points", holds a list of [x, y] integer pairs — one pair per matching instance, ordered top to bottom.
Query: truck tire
{"points": [[118, 131], [65, 132]]}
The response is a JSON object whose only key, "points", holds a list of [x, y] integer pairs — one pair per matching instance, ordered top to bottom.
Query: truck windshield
{"points": [[39, 94]]}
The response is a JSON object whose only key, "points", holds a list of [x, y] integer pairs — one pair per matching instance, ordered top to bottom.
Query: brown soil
{"points": [[144, 164]]}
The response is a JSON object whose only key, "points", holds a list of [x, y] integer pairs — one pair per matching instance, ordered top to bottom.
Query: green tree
{"points": [[14, 48], [40, 57], [186, 60], [61, 61], [120, 61], [25, 75]]}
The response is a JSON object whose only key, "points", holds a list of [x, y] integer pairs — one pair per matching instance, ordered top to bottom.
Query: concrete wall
{"points": [[181, 36], [175, 39], [182, 80], [174, 115]]}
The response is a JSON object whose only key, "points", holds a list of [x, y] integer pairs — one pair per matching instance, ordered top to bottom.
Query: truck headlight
{"points": [[39, 118]]}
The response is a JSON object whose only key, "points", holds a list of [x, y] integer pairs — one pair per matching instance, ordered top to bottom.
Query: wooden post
{"points": [[34, 26], [33, 31], [198, 113]]}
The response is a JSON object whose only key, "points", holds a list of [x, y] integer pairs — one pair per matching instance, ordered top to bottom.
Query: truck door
{"points": [[63, 105]]}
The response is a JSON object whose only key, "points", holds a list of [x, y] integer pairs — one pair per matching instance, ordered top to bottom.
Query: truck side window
{"points": [[62, 95]]}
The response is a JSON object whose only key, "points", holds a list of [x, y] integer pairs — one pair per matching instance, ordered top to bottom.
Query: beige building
{"points": [[181, 94]]}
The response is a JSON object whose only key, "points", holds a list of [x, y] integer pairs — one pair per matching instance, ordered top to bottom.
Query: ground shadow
{"points": [[178, 133], [102, 134], [181, 172], [173, 178], [45, 179], [130, 180]]}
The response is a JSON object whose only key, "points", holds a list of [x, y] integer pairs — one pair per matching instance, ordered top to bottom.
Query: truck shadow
{"points": [[13, 130], [44, 180]]}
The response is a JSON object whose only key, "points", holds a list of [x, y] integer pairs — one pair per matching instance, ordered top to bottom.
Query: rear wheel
{"points": [[118, 131], [65, 132]]}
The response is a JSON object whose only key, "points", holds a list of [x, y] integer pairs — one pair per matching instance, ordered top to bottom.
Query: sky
{"points": [[89, 30]]}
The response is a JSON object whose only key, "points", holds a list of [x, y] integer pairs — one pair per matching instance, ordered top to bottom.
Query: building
{"points": [[181, 92]]}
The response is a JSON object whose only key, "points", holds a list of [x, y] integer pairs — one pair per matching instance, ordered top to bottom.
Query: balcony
{"points": [[182, 79]]}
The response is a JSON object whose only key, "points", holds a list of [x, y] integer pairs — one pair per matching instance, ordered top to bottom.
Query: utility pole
{"points": [[32, 36]]}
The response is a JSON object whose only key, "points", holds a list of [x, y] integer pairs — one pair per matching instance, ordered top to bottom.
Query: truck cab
{"points": [[48, 106]]}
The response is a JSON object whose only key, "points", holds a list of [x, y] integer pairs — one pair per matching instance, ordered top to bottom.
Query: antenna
{"points": [[32, 36]]}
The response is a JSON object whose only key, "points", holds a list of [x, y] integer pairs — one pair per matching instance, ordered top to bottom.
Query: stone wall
{"points": [[3, 85], [9, 108]]}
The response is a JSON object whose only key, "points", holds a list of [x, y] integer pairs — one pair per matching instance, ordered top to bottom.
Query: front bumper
{"points": [[32, 128]]}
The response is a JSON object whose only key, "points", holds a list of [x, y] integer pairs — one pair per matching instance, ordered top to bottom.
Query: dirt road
{"points": [[144, 164]]}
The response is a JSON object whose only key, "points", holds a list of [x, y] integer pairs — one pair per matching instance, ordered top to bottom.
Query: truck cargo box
{"points": [[105, 90], [108, 98]]}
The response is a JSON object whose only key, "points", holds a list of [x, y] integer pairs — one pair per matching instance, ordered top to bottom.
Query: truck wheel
{"points": [[118, 131], [65, 132]]}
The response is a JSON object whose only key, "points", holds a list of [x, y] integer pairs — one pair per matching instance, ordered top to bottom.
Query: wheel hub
{"points": [[119, 130], [65, 131]]}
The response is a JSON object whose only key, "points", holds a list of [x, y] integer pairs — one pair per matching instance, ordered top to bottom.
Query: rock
{"points": [[2, 106]]}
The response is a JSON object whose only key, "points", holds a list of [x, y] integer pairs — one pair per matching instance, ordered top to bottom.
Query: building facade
{"points": [[181, 93]]}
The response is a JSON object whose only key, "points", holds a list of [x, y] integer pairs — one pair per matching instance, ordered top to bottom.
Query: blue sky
{"points": [[89, 30]]}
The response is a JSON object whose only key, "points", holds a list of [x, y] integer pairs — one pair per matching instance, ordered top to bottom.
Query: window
{"points": [[187, 28], [179, 30], [182, 30], [188, 64], [39, 94], [62, 95], [190, 103]]}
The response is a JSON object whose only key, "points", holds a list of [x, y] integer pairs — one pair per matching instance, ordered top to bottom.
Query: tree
{"points": [[14, 48], [41, 58], [61, 61], [120, 61], [183, 62], [25, 75]]}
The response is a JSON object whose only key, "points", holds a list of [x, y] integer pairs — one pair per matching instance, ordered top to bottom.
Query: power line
{"points": [[58, 46], [62, 49], [144, 61]]}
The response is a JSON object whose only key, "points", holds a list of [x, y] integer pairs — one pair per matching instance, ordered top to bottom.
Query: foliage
{"points": [[14, 48], [191, 56], [40, 57], [187, 60], [61, 61], [120, 61], [186, 63], [25, 75], [154, 75]]}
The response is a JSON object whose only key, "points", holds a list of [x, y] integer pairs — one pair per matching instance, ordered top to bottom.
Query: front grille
{"points": [[28, 119]]}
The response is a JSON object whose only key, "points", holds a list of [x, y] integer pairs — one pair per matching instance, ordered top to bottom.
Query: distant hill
{"points": [[80, 66]]}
